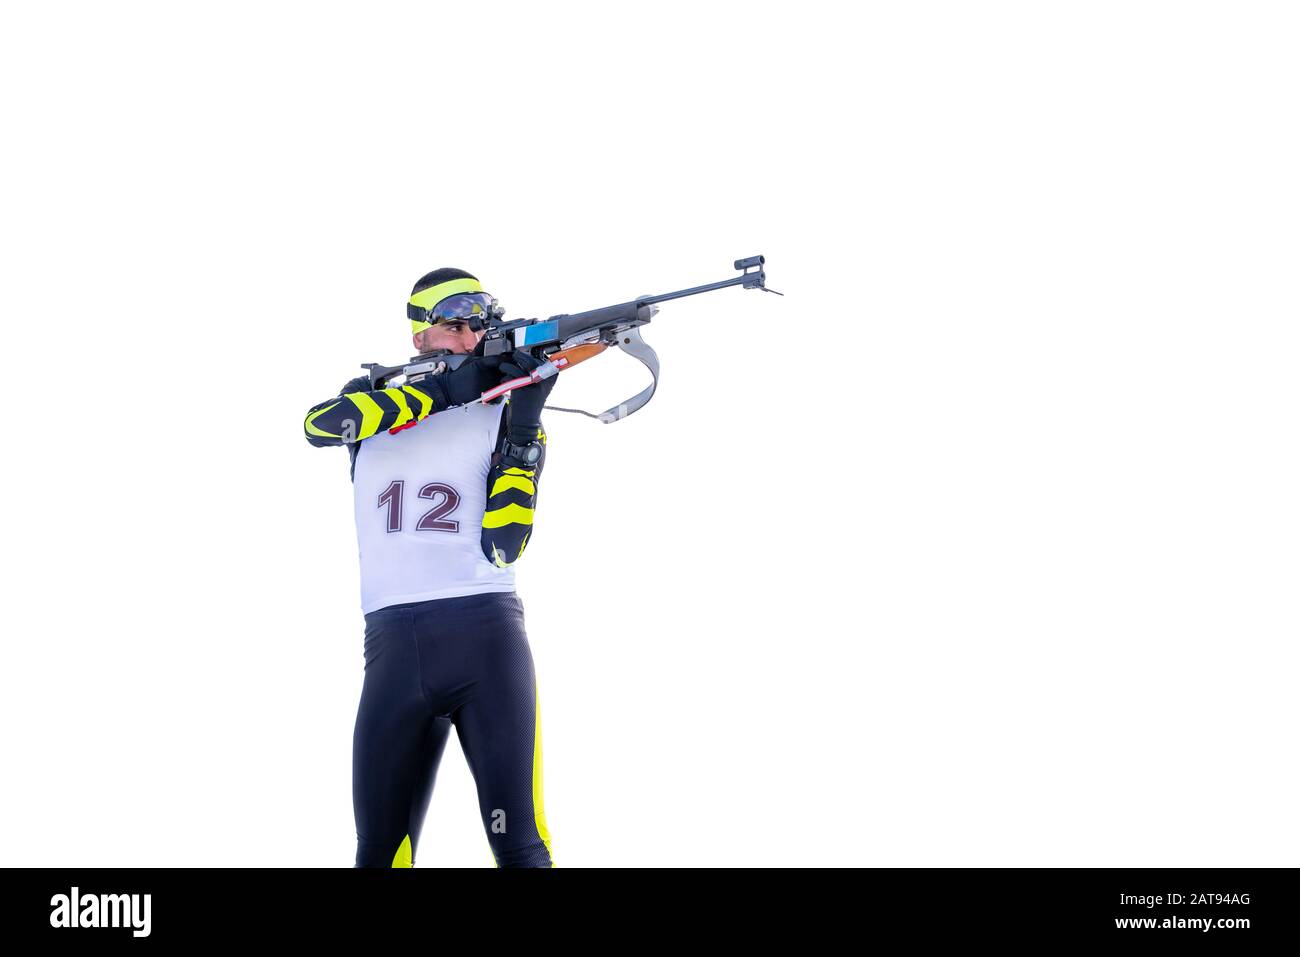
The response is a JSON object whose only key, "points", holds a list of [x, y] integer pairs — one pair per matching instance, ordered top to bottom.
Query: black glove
{"points": [[466, 382], [526, 403]]}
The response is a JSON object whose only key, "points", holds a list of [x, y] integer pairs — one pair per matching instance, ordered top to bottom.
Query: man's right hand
{"points": [[467, 381]]}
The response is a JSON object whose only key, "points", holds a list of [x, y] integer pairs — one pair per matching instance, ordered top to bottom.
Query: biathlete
{"points": [[444, 494]]}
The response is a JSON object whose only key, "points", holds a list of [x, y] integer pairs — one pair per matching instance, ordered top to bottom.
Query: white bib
{"points": [[419, 498]]}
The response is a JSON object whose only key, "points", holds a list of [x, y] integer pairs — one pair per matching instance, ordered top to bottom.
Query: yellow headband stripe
{"points": [[428, 298]]}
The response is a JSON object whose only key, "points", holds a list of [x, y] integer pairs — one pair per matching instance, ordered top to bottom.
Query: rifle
{"points": [[566, 340]]}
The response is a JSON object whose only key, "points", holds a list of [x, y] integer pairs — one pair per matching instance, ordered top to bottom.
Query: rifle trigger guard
{"points": [[630, 341]]}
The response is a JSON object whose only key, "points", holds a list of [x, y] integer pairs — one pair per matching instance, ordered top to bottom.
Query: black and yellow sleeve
{"points": [[359, 412], [511, 501]]}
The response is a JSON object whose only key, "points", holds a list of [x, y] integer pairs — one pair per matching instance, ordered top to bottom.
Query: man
{"points": [[444, 496]]}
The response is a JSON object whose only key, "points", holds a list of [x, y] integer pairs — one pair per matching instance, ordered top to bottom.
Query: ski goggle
{"points": [[461, 307]]}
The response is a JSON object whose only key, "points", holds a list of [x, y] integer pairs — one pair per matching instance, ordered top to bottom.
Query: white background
{"points": [[977, 548]]}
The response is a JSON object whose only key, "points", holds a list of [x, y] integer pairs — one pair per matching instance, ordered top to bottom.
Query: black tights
{"points": [[430, 665]]}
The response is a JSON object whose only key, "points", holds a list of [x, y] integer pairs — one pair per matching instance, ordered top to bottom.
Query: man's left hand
{"points": [[526, 403]]}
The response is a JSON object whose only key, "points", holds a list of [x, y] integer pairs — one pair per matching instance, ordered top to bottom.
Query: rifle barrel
{"points": [[694, 290]]}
